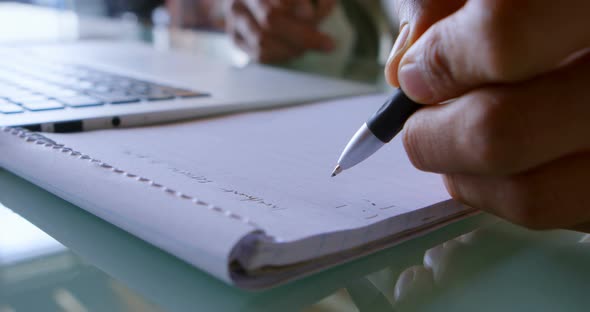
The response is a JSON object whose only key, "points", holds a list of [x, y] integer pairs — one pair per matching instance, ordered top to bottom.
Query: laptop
{"points": [[87, 85]]}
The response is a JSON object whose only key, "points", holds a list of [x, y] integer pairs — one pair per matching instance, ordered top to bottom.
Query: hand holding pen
{"points": [[513, 135]]}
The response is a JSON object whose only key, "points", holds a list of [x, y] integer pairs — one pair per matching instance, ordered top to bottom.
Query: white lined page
{"points": [[274, 166]]}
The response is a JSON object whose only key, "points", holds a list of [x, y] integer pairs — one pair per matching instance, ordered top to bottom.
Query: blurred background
{"points": [[203, 13], [363, 34]]}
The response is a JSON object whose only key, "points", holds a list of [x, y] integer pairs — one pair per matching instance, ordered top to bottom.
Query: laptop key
{"points": [[123, 83], [82, 85], [139, 87], [102, 88], [14, 92], [62, 92], [157, 94], [28, 98], [117, 98], [80, 101], [43, 105], [9, 108]]}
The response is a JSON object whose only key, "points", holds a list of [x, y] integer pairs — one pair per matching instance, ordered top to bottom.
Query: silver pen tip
{"points": [[336, 171]]}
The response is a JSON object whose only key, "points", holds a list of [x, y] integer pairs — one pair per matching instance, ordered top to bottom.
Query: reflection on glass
{"points": [[21, 241], [474, 273]]}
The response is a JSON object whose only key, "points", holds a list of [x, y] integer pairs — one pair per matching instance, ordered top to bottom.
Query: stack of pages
{"points": [[246, 197]]}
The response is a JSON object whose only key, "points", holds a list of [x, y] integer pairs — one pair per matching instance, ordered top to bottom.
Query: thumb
{"points": [[415, 17], [491, 42]]}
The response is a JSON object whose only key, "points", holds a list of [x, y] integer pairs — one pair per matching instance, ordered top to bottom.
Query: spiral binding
{"points": [[39, 139]]}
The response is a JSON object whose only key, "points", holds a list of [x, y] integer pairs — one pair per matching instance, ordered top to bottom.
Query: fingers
{"points": [[265, 10], [307, 10], [415, 17], [269, 32], [300, 35], [492, 41], [261, 47], [267, 51], [503, 130], [552, 196], [413, 284]]}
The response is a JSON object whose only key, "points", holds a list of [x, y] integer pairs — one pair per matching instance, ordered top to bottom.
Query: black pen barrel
{"points": [[391, 117]]}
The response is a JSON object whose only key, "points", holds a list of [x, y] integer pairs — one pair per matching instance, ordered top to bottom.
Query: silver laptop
{"points": [[104, 84]]}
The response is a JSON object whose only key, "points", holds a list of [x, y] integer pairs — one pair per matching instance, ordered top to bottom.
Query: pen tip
{"points": [[336, 171]]}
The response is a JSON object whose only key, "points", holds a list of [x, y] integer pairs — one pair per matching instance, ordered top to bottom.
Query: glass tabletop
{"points": [[57, 257]]}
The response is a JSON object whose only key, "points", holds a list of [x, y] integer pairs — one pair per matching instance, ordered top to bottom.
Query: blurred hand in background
{"points": [[203, 14], [272, 31]]}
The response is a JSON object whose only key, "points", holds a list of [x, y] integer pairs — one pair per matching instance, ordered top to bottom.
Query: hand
{"points": [[195, 13], [273, 31], [513, 134]]}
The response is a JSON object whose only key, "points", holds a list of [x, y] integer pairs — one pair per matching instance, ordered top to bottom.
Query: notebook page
{"points": [[274, 167], [239, 195], [182, 227]]}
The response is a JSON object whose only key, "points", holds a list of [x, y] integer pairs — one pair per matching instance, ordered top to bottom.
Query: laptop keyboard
{"points": [[33, 86]]}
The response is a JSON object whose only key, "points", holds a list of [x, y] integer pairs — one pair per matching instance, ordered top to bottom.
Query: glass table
{"points": [[57, 257]]}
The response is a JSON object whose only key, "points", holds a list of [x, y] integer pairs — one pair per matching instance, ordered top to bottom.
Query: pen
{"points": [[377, 131]]}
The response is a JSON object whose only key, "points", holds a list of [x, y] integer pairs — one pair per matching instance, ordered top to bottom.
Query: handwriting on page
{"points": [[186, 173], [203, 180], [252, 198], [368, 208]]}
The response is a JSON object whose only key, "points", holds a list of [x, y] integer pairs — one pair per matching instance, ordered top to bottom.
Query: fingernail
{"points": [[400, 42], [412, 81], [412, 284]]}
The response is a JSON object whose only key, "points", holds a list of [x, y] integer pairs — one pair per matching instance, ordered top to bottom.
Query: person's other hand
{"points": [[271, 31], [512, 136]]}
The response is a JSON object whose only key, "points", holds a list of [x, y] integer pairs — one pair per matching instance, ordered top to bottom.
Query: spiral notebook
{"points": [[246, 197]]}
